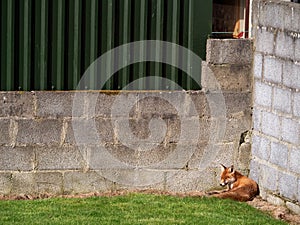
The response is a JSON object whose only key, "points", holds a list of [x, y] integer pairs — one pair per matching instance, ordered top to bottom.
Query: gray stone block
{"points": [[267, 12], [291, 16], [264, 40], [284, 47], [297, 49], [229, 51], [258, 65], [273, 69], [291, 75], [235, 78], [262, 94], [282, 100], [237, 103], [19, 104], [55, 104], [296, 104], [256, 118], [271, 124], [291, 130], [39, 131], [89, 131], [5, 132], [261, 147], [279, 154], [60, 158], [16, 159], [294, 164], [254, 169], [268, 178], [184, 181], [48, 182], [80, 182], [5, 183], [23, 183], [287, 185], [275, 200], [295, 208]]}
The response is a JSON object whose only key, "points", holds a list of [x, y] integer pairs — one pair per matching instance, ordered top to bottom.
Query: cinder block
{"points": [[291, 17], [267, 18], [264, 41], [284, 46], [297, 49], [229, 51], [258, 65], [273, 69], [291, 75], [229, 77], [262, 94], [282, 100], [237, 102], [108, 103], [19, 104], [54, 104], [296, 104], [198, 106], [256, 118], [271, 124], [39, 131], [83, 131], [291, 131], [5, 132], [261, 147], [279, 154], [60, 158], [16, 159], [294, 164], [254, 169], [268, 178], [184, 181], [48, 182], [80, 182], [5, 183], [23, 183], [287, 185], [275, 200], [295, 208]]}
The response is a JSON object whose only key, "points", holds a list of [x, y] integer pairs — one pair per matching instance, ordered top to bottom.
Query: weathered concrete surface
{"points": [[276, 121]]}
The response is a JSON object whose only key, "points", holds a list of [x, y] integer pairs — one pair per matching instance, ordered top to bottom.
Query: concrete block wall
{"points": [[276, 116], [47, 143]]}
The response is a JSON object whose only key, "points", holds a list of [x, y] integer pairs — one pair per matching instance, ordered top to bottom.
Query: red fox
{"points": [[240, 187]]}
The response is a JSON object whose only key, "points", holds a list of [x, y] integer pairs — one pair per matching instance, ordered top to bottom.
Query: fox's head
{"points": [[227, 176]]}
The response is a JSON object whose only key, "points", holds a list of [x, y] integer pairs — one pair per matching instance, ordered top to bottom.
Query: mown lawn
{"points": [[131, 209]]}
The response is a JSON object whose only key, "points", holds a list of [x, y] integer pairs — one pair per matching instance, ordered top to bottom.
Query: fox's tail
{"points": [[234, 195]]}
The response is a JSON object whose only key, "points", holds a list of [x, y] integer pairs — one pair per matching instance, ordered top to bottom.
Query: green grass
{"points": [[131, 209]]}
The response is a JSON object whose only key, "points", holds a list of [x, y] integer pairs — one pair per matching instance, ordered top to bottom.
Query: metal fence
{"points": [[48, 44]]}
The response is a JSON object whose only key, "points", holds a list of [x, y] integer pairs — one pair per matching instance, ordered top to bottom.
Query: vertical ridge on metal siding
{"points": [[140, 33], [124, 34], [172, 35], [90, 42], [74, 44], [7, 45], [41, 45], [57, 45], [24, 70]]}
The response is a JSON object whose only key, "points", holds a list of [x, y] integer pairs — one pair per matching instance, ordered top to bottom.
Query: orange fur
{"points": [[240, 187]]}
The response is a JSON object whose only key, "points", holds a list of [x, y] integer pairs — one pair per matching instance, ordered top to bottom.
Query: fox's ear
{"points": [[223, 167], [231, 169]]}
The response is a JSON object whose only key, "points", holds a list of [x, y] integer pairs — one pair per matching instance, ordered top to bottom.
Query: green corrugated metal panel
{"points": [[48, 44]]}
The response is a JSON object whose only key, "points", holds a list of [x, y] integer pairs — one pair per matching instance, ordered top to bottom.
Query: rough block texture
{"points": [[276, 121]]}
